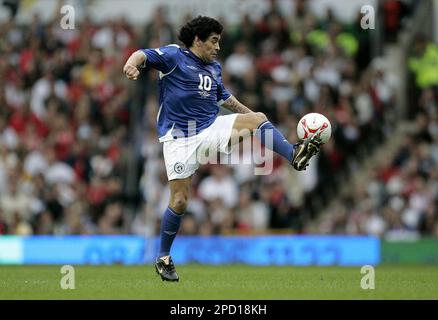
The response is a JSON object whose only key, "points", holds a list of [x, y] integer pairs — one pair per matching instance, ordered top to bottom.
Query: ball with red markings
{"points": [[314, 123]]}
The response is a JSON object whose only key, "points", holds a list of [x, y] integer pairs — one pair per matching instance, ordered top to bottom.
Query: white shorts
{"points": [[183, 156]]}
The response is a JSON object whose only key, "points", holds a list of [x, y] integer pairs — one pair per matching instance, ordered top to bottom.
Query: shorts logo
{"points": [[179, 167]]}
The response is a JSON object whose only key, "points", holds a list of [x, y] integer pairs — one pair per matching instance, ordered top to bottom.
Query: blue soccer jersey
{"points": [[191, 91]]}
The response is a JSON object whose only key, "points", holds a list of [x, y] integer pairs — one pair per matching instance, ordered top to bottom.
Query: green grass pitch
{"points": [[205, 282]]}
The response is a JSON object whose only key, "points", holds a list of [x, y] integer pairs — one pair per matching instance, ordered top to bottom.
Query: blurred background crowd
{"points": [[79, 152]]}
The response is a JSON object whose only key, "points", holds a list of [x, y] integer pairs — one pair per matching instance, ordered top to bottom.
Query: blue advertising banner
{"points": [[11, 250], [84, 250], [255, 250], [279, 250]]}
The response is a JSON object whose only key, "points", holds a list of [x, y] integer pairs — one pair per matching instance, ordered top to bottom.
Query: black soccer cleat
{"points": [[304, 151], [166, 269]]}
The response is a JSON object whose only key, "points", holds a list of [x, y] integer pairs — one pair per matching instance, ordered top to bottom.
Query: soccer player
{"points": [[191, 91]]}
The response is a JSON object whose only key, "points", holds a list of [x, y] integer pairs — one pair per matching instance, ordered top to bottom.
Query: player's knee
{"points": [[259, 118], [179, 203]]}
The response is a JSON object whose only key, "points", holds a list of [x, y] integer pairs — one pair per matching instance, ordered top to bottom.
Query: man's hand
{"points": [[131, 71]]}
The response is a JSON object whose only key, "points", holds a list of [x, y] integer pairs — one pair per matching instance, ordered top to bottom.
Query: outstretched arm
{"points": [[130, 68], [234, 105]]}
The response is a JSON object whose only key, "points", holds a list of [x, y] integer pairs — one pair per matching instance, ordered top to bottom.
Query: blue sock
{"points": [[272, 139], [169, 229]]}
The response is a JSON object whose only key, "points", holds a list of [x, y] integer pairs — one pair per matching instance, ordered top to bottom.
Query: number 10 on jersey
{"points": [[205, 82]]}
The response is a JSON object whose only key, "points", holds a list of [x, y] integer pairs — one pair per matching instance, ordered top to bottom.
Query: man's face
{"points": [[209, 48]]}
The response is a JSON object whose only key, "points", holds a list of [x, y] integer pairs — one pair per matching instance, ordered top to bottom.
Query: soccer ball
{"points": [[314, 123]]}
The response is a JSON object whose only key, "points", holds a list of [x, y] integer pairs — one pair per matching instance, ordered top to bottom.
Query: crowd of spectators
{"points": [[64, 121], [70, 125], [400, 198]]}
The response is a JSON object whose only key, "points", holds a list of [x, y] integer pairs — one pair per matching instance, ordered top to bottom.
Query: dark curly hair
{"points": [[202, 27]]}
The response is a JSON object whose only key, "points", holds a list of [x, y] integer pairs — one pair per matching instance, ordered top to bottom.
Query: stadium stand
{"points": [[79, 152]]}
